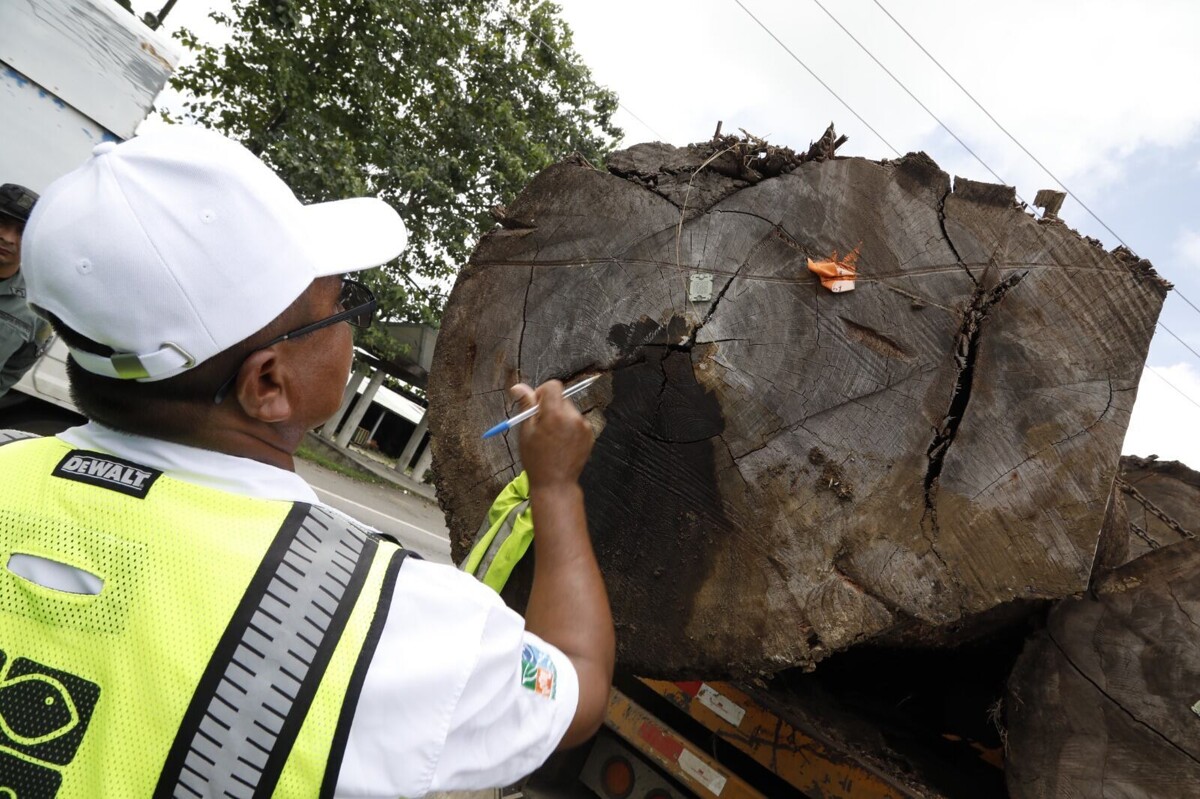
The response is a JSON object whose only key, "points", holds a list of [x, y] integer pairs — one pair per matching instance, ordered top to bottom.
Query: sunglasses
{"points": [[358, 308]]}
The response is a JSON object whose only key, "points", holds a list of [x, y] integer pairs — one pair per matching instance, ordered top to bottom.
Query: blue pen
{"points": [[512, 422]]}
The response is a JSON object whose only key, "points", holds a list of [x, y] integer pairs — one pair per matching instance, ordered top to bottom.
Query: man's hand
{"points": [[556, 441], [568, 605]]}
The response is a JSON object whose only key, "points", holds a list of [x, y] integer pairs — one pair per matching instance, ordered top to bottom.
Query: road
{"points": [[415, 522]]}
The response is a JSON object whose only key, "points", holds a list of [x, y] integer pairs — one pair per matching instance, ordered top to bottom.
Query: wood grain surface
{"points": [[781, 472]]}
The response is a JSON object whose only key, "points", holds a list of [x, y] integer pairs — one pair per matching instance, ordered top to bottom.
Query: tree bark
{"points": [[781, 472]]}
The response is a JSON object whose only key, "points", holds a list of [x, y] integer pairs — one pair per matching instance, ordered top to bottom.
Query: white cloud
{"points": [[1080, 82], [1083, 84], [1187, 247], [1164, 421]]}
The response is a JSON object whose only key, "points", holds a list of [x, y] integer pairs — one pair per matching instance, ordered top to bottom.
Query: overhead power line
{"points": [[817, 77], [916, 99], [979, 105], [956, 138], [1014, 140], [1179, 294], [1177, 338], [1178, 390]]}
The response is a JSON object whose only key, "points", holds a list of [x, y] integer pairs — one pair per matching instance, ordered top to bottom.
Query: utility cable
{"points": [[769, 32], [817, 77], [900, 83], [907, 91], [1013, 138], [1179, 294], [1177, 338], [1172, 385]]}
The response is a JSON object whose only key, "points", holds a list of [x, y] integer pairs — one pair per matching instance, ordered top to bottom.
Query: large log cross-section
{"points": [[782, 471]]}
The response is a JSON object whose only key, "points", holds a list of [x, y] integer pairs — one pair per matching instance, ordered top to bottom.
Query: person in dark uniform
{"points": [[22, 333]]}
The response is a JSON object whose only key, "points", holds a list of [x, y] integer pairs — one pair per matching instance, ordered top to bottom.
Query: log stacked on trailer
{"points": [[781, 471], [1162, 500], [1104, 701]]}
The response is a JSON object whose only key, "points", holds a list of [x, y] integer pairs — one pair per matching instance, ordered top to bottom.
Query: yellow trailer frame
{"points": [[811, 766], [703, 775]]}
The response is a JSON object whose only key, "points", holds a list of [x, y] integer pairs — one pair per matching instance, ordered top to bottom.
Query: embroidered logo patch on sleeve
{"points": [[538, 672]]}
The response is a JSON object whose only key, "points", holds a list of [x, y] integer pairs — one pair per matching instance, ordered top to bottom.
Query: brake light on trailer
{"points": [[617, 778]]}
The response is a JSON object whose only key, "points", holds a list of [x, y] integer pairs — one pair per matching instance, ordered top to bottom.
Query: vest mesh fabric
{"points": [[114, 673]]}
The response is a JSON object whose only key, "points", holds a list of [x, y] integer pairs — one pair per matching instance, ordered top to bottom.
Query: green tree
{"points": [[444, 108]]}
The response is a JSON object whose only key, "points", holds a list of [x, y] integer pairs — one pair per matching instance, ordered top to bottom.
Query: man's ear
{"points": [[264, 386]]}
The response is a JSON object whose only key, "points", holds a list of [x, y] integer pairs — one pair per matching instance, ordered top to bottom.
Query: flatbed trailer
{"points": [[913, 725], [815, 767]]}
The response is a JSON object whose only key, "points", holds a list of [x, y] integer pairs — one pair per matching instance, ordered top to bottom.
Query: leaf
{"points": [[444, 109]]}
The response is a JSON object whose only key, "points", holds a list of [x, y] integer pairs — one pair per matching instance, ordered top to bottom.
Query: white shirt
{"points": [[443, 706]]}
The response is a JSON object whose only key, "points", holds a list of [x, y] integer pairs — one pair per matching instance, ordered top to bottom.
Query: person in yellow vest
{"points": [[179, 614]]}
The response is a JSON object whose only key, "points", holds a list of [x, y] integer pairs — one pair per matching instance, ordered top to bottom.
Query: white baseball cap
{"points": [[177, 244]]}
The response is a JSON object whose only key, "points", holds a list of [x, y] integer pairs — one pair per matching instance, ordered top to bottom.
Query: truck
{"points": [[73, 74]]}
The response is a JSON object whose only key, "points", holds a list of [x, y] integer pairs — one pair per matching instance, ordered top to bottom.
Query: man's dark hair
{"points": [[161, 408]]}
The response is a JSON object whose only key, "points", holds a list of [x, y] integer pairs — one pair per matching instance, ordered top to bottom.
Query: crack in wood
{"points": [[941, 212], [524, 321], [690, 339], [875, 341], [966, 352], [662, 388], [1096, 421], [785, 428], [1065, 439], [762, 446], [511, 457], [736, 467], [488, 480], [838, 565], [1179, 605], [1078, 670]]}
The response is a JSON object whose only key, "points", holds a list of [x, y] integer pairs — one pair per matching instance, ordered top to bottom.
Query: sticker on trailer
{"points": [[720, 704], [701, 772]]}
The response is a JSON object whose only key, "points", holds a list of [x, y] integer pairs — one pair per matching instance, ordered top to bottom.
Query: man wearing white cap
{"points": [[182, 617]]}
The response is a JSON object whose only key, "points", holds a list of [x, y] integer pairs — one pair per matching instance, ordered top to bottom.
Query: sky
{"points": [[1101, 92]]}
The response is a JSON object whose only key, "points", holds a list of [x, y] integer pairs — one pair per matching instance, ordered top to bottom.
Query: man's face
{"points": [[10, 245], [327, 353]]}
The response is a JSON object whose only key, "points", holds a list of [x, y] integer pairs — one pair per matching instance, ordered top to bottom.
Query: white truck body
{"points": [[73, 73]]}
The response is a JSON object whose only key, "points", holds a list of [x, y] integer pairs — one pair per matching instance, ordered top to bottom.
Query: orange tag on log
{"points": [[837, 274]]}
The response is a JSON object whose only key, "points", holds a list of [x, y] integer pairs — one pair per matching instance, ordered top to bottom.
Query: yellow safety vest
{"points": [[504, 536], [223, 655]]}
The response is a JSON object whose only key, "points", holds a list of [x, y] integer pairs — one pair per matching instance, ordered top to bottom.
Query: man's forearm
{"points": [[568, 604]]}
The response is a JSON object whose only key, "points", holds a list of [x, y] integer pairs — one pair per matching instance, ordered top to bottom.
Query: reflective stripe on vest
{"points": [[9, 436], [504, 536], [223, 656], [256, 691]]}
